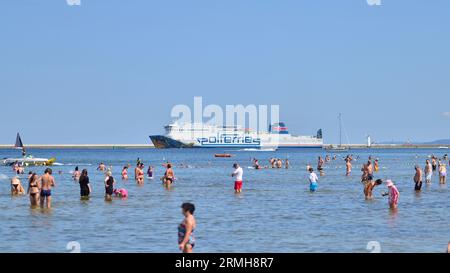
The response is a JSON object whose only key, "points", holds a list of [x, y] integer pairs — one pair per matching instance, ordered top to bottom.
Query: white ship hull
{"points": [[207, 136]]}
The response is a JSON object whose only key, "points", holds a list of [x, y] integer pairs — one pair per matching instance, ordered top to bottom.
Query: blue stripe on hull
{"points": [[165, 142], [300, 147]]}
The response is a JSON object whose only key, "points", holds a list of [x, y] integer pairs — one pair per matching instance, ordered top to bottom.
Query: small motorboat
{"points": [[337, 149], [223, 155], [26, 160], [29, 161]]}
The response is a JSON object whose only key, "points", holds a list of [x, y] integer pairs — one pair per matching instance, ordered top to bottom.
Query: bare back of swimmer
{"points": [[47, 182]]}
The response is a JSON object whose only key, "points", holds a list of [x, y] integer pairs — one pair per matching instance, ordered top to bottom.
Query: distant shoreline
{"points": [[81, 146], [150, 146]]}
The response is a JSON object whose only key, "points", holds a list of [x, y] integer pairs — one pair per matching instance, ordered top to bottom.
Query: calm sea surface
{"points": [[275, 213]]}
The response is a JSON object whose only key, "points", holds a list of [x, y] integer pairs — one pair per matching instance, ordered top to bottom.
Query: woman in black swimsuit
{"points": [[109, 186], [85, 188], [34, 189]]}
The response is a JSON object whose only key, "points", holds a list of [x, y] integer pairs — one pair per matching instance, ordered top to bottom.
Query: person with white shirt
{"points": [[238, 174], [313, 178]]}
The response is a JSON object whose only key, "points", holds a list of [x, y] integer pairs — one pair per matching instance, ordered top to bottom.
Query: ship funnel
{"points": [[279, 128], [319, 134]]}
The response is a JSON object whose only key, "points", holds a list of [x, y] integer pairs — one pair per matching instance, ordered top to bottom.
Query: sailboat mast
{"points": [[340, 130]]}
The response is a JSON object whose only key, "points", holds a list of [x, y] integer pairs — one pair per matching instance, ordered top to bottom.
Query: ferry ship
{"points": [[198, 135]]}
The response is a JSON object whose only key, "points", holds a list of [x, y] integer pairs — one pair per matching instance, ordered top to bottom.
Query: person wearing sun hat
{"points": [[16, 186], [393, 194]]}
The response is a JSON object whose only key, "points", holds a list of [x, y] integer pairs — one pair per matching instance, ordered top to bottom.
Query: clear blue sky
{"points": [[109, 71]]}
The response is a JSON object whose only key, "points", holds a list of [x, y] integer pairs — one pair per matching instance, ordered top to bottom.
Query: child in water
{"points": [[376, 165], [150, 172], [125, 173], [442, 173], [313, 180], [123, 193]]}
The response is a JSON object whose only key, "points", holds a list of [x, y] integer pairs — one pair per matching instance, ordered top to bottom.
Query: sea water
{"points": [[275, 213]]}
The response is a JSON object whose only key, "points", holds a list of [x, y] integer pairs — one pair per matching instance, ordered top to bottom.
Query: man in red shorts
{"points": [[238, 174]]}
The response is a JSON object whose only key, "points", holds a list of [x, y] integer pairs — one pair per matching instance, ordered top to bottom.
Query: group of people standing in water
{"points": [[274, 163], [372, 166], [431, 167], [368, 170], [40, 187], [40, 192]]}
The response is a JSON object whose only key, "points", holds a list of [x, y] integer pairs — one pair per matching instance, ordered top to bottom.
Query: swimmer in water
{"points": [[327, 158], [272, 163], [287, 163], [320, 163], [433, 163], [256, 164], [279, 164], [376, 165], [308, 166], [348, 166], [15, 167], [101, 167], [21, 169], [369, 169], [428, 171], [150, 172], [125, 173], [140, 173], [442, 173], [76, 174], [238, 174], [365, 174], [169, 176], [313, 179], [418, 179], [47, 182], [109, 186], [16, 187], [85, 187], [368, 188], [34, 189], [122, 193], [393, 194], [186, 240]]}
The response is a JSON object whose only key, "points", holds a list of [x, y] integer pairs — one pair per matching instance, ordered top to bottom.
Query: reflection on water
{"points": [[275, 212]]}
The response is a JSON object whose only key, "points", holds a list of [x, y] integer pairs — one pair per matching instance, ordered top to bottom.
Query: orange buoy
{"points": [[223, 155]]}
